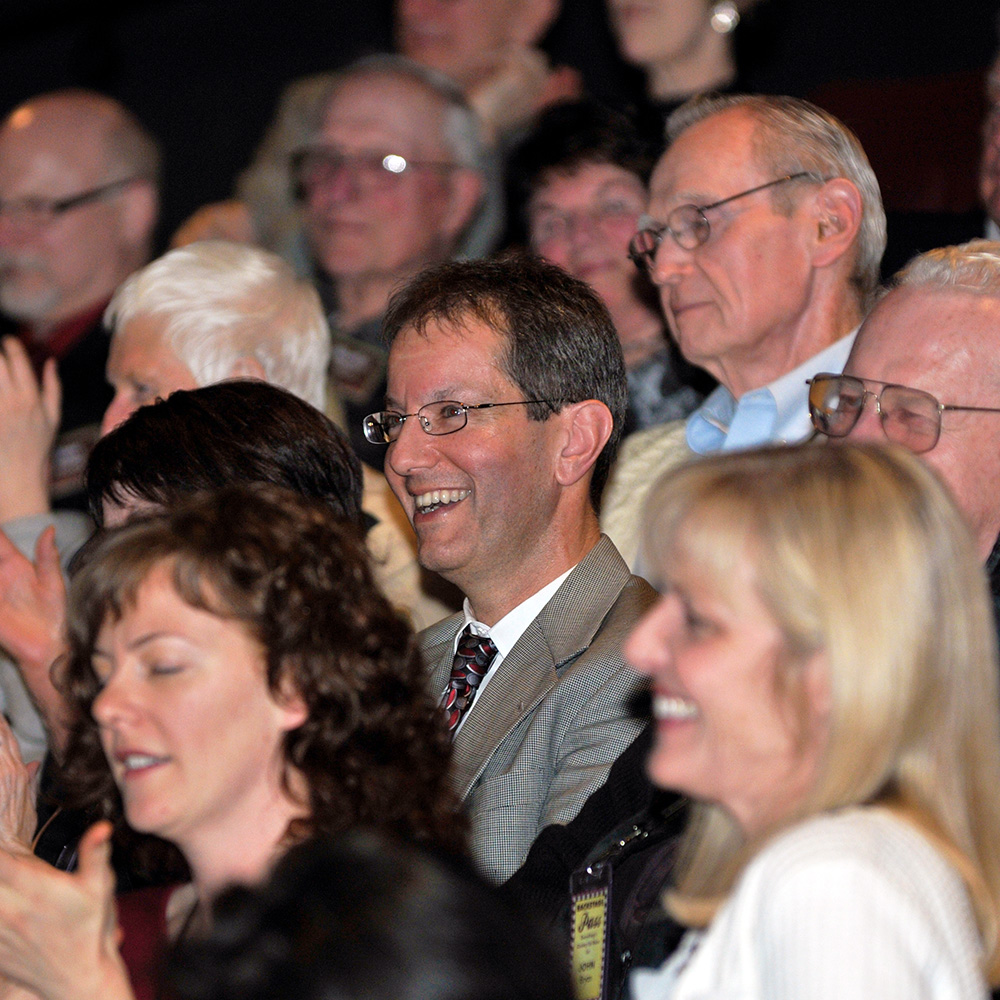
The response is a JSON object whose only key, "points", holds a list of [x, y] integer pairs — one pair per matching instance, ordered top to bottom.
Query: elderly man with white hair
{"points": [[764, 236]]}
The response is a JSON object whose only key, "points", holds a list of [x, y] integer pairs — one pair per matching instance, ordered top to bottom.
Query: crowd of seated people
{"points": [[632, 571]]}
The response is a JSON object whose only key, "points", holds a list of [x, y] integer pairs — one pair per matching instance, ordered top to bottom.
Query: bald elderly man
{"points": [[78, 203], [924, 373]]}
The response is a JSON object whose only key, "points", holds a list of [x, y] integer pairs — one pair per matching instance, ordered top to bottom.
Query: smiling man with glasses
{"points": [[764, 234], [924, 373], [506, 397]]}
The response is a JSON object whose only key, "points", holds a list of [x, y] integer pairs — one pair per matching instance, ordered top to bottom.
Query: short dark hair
{"points": [[571, 135], [561, 342], [238, 431], [373, 749], [362, 916]]}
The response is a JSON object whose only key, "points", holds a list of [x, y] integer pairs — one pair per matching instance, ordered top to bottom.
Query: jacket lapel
{"points": [[562, 630]]}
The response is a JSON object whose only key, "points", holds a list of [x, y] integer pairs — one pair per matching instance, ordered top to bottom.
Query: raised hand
{"points": [[29, 418], [32, 621], [18, 792], [58, 930]]}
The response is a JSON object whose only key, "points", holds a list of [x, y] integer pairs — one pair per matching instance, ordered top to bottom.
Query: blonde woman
{"points": [[824, 679]]}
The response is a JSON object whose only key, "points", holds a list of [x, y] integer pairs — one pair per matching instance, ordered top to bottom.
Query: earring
{"points": [[725, 16]]}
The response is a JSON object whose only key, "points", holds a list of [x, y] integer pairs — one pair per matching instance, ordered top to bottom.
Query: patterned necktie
{"points": [[473, 657]]}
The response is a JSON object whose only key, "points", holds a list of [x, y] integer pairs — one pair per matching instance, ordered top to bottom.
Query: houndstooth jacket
{"points": [[547, 728]]}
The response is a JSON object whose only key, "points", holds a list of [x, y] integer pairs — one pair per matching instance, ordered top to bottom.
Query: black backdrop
{"points": [[204, 74]]}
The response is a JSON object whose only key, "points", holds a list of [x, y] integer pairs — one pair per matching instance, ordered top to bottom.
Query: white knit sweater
{"points": [[856, 905]]}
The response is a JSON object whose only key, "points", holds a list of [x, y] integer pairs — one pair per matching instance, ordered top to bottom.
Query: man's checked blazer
{"points": [[548, 726]]}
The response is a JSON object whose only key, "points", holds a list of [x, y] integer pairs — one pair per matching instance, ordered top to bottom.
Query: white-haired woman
{"points": [[824, 678]]}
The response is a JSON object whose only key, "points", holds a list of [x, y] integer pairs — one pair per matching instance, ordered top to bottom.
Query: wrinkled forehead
{"points": [[710, 159], [945, 341]]}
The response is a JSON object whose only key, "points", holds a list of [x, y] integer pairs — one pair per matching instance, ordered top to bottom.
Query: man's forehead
{"points": [[384, 108], [707, 157], [40, 161], [930, 338], [142, 341], [456, 350]]}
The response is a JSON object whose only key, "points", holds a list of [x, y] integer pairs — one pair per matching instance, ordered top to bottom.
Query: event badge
{"points": [[591, 893]]}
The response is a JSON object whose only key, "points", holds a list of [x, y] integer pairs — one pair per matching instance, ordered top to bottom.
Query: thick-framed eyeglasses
{"points": [[319, 166], [36, 213], [688, 225], [909, 417], [438, 419]]}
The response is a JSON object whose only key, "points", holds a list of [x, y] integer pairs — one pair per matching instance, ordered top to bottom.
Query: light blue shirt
{"points": [[778, 413]]}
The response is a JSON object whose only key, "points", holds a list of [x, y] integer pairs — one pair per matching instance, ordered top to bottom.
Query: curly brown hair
{"points": [[373, 750]]}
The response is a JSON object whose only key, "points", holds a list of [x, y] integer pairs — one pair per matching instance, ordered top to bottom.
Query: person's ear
{"points": [[467, 190], [140, 206], [836, 214], [247, 366], [586, 427], [292, 710]]}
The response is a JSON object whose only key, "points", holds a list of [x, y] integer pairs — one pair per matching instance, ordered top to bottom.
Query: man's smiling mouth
{"points": [[433, 499]]}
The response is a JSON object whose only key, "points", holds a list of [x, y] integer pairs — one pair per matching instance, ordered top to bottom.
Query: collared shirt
{"points": [[778, 413], [509, 629]]}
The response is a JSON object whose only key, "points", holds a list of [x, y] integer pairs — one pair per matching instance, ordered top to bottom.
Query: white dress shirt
{"points": [[508, 630]]}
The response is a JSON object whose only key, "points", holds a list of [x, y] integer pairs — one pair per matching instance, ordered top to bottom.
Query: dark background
{"points": [[204, 76]]}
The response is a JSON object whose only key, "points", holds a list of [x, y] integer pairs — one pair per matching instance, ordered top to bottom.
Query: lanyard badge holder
{"points": [[590, 890]]}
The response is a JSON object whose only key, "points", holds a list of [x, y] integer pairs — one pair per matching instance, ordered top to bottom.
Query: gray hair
{"points": [[462, 134], [792, 135], [968, 267], [226, 301]]}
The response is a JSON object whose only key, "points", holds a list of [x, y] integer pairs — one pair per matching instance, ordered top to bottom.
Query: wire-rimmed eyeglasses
{"points": [[318, 166], [37, 212], [688, 225], [909, 417], [438, 419]]}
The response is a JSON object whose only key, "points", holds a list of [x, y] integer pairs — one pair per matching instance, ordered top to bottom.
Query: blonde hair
{"points": [[859, 552]]}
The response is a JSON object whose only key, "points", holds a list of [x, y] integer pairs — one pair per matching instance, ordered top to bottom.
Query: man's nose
{"points": [[581, 229], [670, 261], [119, 410], [869, 423], [413, 450]]}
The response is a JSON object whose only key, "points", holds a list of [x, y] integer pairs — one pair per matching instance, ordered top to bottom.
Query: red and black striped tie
{"points": [[473, 657]]}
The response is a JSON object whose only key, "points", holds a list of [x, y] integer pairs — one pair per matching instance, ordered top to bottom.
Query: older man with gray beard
{"points": [[78, 202]]}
